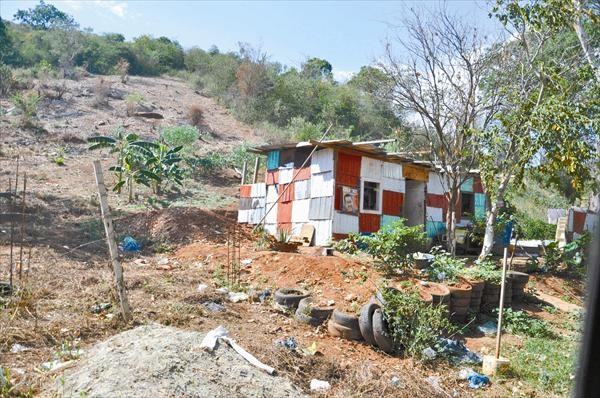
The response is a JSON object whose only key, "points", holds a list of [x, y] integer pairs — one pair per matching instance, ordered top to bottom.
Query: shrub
{"points": [[122, 68], [6, 79], [101, 91], [132, 101], [28, 106], [195, 115], [184, 136], [531, 228], [392, 244], [571, 257], [444, 267], [486, 270], [520, 323], [414, 324]]}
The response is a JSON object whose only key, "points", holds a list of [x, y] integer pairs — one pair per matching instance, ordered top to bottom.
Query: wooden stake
{"points": [[256, 166], [244, 169], [22, 227], [12, 232], [112, 242], [501, 307]]}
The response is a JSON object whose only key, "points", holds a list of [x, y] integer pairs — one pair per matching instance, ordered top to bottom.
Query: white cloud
{"points": [[118, 8], [342, 76]]}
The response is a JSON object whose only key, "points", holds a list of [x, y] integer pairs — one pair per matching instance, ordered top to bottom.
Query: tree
{"points": [[44, 16], [6, 44], [317, 68], [436, 79], [548, 103]]}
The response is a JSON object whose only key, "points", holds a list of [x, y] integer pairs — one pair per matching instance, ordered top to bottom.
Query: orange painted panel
{"points": [[348, 164], [304, 173], [415, 173], [272, 177], [347, 180], [245, 191], [288, 196], [434, 200], [392, 203], [284, 212], [369, 222], [578, 222], [339, 236]]}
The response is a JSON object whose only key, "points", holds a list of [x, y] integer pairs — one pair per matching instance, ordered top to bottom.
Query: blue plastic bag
{"points": [[130, 245]]}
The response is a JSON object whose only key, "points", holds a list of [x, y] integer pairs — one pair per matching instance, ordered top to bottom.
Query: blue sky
{"points": [[348, 34]]}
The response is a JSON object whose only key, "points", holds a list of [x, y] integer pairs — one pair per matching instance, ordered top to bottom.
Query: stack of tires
{"points": [[519, 281], [476, 295], [460, 300], [299, 302]]}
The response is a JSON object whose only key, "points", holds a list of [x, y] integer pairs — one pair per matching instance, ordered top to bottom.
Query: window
{"points": [[371, 197], [467, 207]]}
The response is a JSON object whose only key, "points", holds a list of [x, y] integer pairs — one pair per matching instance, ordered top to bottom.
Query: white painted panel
{"points": [[322, 161], [370, 168], [392, 170], [286, 174], [392, 184], [321, 185], [434, 185], [302, 189], [258, 190], [272, 193], [258, 202], [321, 208], [300, 210], [434, 214], [256, 215], [272, 215], [244, 216], [570, 221], [344, 223], [271, 228], [296, 228], [322, 232]]}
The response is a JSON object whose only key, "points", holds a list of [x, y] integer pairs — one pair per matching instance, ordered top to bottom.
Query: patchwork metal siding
{"points": [[300, 156], [286, 158], [272, 160], [322, 161], [370, 168], [348, 169], [391, 170], [286, 174], [302, 174], [272, 177], [347, 180], [391, 184], [321, 185], [434, 185], [467, 185], [302, 189], [258, 190], [245, 191], [272, 193], [288, 196], [434, 200], [258, 202], [245, 203], [392, 203], [479, 205], [320, 208], [300, 210], [284, 212], [434, 214], [244, 215], [256, 215], [272, 215], [387, 220], [578, 221], [369, 222], [344, 223], [287, 227], [271, 228], [296, 228], [434, 228], [322, 231]]}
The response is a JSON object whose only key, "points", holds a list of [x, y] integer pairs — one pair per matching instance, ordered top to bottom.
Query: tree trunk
{"points": [[491, 215], [451, 218]]}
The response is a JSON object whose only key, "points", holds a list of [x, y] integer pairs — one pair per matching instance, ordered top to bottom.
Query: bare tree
{"points": [[436, 78]]}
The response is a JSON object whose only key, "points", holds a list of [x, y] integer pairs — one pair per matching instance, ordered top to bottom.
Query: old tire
{"points": [[289, 297], [314, 316], [344, 319], [365, 322], [344, 332], [381, 334]]}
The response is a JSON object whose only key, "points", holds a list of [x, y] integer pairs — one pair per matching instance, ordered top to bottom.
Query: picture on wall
{"points": [[350, 200]]}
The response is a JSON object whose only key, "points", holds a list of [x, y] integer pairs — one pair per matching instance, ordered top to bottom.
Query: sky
{"points": [[349, 34]]}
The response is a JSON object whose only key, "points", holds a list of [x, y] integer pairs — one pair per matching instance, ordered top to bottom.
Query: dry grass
{"points": [[101, 91], [195, 115]]}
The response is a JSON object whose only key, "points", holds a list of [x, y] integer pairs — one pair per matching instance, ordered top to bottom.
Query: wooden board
{"points": [[415, 173], [306, 235]]}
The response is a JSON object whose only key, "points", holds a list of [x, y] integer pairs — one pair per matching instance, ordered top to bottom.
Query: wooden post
{"points": [[256, 166], [244, 169], [112, 242], [501, 307]]}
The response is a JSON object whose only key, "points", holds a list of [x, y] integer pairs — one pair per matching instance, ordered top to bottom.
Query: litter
{"points": [[130, 245], [246, 261], [202, 287], [222, 290], [236, 297], [211, 306], [99, 308], [489, 328], [210, 340], [288, 342], [16, 348], [312, 350], [457, 352], [429, 353], [54, 365], [476, 380], [395, 381], [434, 381], [319, 385]]}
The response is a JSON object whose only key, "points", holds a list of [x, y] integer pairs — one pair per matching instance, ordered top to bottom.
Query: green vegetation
{"points": [[6, 79], [132, 101], [28, 107], [183, 136], [571, 258], [445, 268], [486, 270], [414, 324], [522, 324]]}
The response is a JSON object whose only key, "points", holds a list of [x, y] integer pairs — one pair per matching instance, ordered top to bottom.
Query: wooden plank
{"points": [[256, 167], [415, 173], [112, 242]]}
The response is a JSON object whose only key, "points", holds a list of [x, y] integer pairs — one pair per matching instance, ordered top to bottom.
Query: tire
{"points": [[289, 298], [311, 315], [309, 320], [347, 320], [365, 322], [337, 330], [380, 333]]}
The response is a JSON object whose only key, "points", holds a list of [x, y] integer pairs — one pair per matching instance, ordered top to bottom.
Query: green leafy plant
{"points": [[6, 79], [132, 101], [28, 106], [184, 136], [59, 159], [283, 236], [261, 237], [347, 245], [392, 245], [569, 258], [444, 267], [486, 270], [521, 323], [414, 324]]}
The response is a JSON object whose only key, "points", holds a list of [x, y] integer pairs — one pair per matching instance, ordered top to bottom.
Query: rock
{"points": [[149, 115], [163, 261], [202, 287], [236, 297], [350, 297], [319, 385]]}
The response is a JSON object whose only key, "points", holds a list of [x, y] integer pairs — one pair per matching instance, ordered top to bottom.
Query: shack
{"points": [[347, 187]]}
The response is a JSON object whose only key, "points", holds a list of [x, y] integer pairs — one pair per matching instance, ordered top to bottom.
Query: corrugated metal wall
{"points": [[272, 160], [322, 161], [370, 168], [348, 170], [391, 170], [302, 174], [285, 175], [272, 177], [391, 184], [321, 185], [434, 185], [467, 185], [302, 189], [258, 190], [245, 191], [272, 193], [287, 195], [434, 200], [392, 203], [479, 205], [321, 208], [300, 210], [284, 212], [434, 214], [387, 220], [369, 222], [344, 223], [434, 228], [322, 231]]}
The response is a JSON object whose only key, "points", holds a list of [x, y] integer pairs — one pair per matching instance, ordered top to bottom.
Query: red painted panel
{"points": [[348, 164], [304, 173], [272, 177], [347, 179], [477, 186], [245, 191], [288, 196], [337, 200], [434, 200], [392, 203], [457, 209], [284, 212], [369, 222], [578, 222], [339, 236]]}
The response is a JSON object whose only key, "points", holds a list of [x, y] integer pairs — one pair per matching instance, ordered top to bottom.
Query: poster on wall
{"points": [[350, 200]]}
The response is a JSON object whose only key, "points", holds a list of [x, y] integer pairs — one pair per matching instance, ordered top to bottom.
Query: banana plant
{"points": [[162, 163]]}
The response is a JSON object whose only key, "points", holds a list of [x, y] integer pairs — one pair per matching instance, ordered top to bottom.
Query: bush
{"points": [[122, 68], [6, 79], [101, 91], [132, 101], [28, 106], [195, 115], [184, 136], [531, 228], [392, 245], [569, 258], [444, 267], [486, 270], [520, 323], [414, 324]]}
